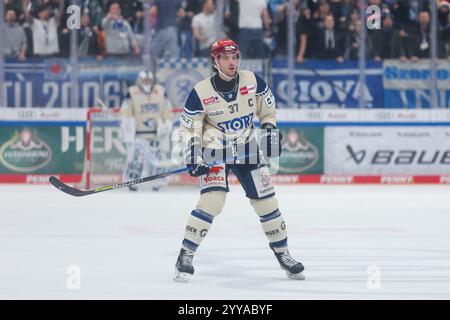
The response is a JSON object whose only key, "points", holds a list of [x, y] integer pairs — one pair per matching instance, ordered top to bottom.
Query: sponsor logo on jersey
{"points": [[251, 88], [210, 100], [149, 107], [215, 113], [186, 121], [236, 124], [25, 152], [209, 179], [265, 180], [191, 229], [203, 232], [272, 233]]}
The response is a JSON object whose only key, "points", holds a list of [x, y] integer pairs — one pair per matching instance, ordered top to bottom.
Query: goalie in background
{"points": [[146, 125]]}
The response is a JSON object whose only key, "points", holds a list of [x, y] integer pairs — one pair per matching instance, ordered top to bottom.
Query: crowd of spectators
{"points": [[324, 29]]}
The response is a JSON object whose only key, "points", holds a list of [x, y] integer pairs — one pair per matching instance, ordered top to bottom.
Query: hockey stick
{"points": [[81, 193]]}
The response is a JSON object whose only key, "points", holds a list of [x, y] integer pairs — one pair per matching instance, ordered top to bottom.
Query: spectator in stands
{"points": [[17, 6], [94, 8], [190, 8], [346, 10], [132, 11], [443, 13], [320, 15], [231, 18], [253, 20], [279, 26], [206, 28], [44, 29], [306, 34], [119, 36], [421, 39], [446, 39], [165, 42], [330, 42], [353, 42], [88, 43], [383, 43], [15, 44]]}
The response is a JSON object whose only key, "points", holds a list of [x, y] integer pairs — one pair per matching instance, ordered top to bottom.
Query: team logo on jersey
{"points": [[251, 88], [210, 100], [236, 124]]}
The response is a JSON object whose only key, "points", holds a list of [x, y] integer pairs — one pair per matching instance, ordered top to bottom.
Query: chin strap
{"points": [[216, 65]]}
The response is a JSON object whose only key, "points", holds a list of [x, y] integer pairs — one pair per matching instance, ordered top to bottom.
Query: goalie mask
{"points": [[145, 81]]}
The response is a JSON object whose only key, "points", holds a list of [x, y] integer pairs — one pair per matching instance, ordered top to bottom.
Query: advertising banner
{"points": [[47, 83], [327, 84], [407, 84], [41, 150], [387, 150], [302, 151]]}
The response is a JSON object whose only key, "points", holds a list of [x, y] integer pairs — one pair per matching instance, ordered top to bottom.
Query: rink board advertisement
{"points": [[327, 84], [407, 84], [40, 150], [410, 150], [302, 151]]}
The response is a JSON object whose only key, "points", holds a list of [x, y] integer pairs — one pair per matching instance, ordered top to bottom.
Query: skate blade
{"points": [[181, 276], [298, 276]]}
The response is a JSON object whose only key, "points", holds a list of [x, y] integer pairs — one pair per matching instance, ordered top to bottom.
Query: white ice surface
{"points": [[126, 244]]}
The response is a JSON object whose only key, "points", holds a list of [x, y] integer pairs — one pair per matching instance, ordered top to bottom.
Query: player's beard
{"points": [[228, 75]]}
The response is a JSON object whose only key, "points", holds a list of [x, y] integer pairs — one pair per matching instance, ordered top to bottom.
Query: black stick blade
{"points": [[68, 189]]}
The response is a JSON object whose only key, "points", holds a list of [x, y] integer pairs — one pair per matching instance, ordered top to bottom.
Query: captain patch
{"points": [[269, 99]]}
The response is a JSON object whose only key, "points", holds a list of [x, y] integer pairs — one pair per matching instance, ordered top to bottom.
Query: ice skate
{"points": [[184, 268], [292, 268]]}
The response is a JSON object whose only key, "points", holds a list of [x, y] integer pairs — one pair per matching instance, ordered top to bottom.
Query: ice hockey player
{"points": [[146, 123], [217, 124]]}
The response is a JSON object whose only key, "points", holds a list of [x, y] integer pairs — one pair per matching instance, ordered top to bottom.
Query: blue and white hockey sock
{"points": [[197, 227], [275, 229]]}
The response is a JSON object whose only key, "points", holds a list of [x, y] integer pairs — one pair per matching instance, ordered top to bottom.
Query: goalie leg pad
{"points": [[135, 162], [212, 202]]}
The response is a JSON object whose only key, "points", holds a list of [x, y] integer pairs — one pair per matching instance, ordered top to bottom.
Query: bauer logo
{"points": [[25, 152]]}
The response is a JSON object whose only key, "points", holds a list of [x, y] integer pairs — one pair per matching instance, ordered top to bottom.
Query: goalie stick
{"points": [[81, 193]]}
